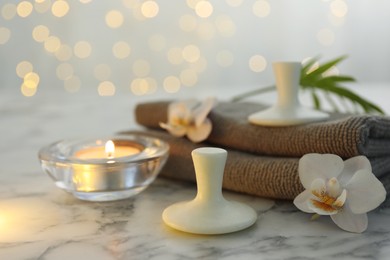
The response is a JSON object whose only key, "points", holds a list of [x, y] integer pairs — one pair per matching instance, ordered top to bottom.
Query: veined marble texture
{"points": [[39, 221]]}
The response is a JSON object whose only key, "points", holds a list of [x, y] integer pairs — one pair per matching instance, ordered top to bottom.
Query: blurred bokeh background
{"points": [[144, 48]]}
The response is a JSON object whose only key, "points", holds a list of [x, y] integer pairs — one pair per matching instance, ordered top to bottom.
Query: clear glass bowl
{"points": [[104, 179]]}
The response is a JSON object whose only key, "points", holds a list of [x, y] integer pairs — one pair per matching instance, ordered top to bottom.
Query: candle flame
{"points": [[110, 149]]}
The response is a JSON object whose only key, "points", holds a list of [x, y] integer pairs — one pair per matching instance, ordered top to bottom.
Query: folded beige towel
{"points": [[346, 136], [264, 176]]}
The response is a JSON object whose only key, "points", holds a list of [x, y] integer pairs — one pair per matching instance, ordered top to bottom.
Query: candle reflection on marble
{"points": [[105, 169]]}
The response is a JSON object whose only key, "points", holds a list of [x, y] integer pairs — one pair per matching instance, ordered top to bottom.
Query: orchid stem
{"points": [[315, 216]]}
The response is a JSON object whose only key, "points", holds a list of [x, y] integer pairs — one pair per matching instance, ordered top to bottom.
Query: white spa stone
{"points": [[288, 110], [209, 212]]}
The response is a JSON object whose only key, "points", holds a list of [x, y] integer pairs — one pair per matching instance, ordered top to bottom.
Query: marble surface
{"points": [[39, 221]]}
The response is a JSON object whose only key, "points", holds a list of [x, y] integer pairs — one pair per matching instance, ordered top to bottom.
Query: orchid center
{"points": [[181, 121], [327, 198]]}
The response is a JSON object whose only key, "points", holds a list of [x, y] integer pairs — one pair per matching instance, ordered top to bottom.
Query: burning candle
{"points": [[108, 151], [104, 169], [89, 177]]}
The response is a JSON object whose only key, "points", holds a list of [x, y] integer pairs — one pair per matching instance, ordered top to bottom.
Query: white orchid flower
{"points": [[190, 118], [345, 190]]}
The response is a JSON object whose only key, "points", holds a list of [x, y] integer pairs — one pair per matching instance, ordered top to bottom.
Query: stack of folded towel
{"points": [[262, 160]]}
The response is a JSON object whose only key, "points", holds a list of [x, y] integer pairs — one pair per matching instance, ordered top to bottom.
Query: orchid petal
{"points": [[180, 110], [200, 113], [177, 131], [200, 133], [352, 165], [324, 166], [318, 187], [334, 189], [365, 192], [301, 200], [340, 201], [321, 208], [349, 221]]}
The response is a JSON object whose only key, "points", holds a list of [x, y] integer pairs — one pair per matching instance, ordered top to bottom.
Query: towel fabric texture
{"points": [[262, 160]]}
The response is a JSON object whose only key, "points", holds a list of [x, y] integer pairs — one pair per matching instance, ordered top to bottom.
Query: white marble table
{"points": [[39, 221]]}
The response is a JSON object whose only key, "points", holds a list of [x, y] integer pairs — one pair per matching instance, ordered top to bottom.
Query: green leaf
{"points": [[306, 67], [325, 67], [338, 78], [316, 100], [367, 106]]}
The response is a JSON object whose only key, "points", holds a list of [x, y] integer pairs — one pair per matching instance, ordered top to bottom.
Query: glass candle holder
{"points": [[104, 169]]}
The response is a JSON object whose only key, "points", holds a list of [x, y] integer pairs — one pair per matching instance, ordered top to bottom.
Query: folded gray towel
{"points": [[346, 136]]}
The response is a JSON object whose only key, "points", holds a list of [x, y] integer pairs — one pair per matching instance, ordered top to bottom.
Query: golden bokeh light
{"points": [[192, 3], [234, 3], [42, 6], [60, 8], [261, 8], [339, 8], [24, 9], [149, 9], [204, 9], [8, 11], [114, 19], [188, 22], [225, 26], [40, 33], [5, 35], [326, 37], [157, 42], [52, 44], [178, 44], [82, 49], [121, 50], [64, 53], [191, 53], [175, 56], [225, 58], [257, 63], [312, 67], [23, 68], [141, 68], [64, 71], [102, 72], [189, 77], [31, 80], [72, 84], [171, 84], [152, 85], [143, 86], [139, 87], [106, 88], [27, 92]]}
